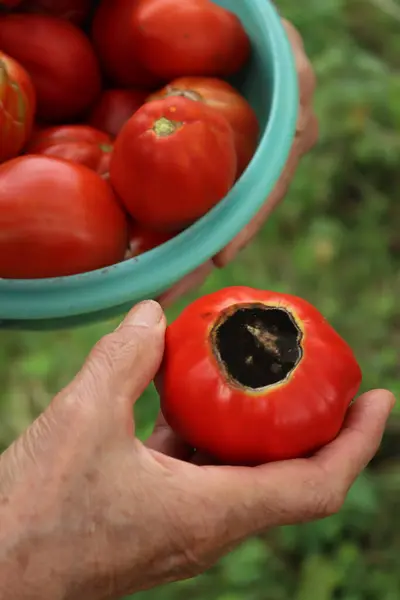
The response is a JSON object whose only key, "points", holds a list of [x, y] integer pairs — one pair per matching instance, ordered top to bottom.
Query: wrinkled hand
{"points": [[305, 139], [88, 511]]}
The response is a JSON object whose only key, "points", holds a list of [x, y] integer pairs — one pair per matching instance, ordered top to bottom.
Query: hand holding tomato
{"points": [[136, 525]]}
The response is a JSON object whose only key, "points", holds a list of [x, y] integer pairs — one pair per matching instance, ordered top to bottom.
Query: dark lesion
{"points": [[257, 345]]}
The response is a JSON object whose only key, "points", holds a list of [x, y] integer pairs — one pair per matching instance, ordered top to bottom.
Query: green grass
{"points": [[336, 242]]}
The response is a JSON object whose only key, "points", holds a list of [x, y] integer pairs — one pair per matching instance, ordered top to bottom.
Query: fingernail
{"points": [[145, 314]]}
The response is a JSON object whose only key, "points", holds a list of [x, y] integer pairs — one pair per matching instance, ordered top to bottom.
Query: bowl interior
{"points": [[269, 82]]}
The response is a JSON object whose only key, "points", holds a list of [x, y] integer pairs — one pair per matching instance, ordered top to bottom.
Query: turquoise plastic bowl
{"points": [[270, 84]]}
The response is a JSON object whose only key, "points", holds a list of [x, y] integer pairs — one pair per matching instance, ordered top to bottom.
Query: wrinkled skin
{"points": [[306, 138], [90, 512]]}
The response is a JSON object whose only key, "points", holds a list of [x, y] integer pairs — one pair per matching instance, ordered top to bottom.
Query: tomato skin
{"points": [[10, 3], [75, 11], [195, 37], [115, 41], [59, 59], [221, 96], [17, 107], [114, 108], [76, 143], [168, 181], [56, 219], [143, 240], [241, 426]]}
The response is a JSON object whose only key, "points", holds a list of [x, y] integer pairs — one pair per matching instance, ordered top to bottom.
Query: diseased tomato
{"points": [[75, 11], [195, 37], [115, 41], [59, 59], [221, 96], [17, 107], [114, 108], [76, 143], [172, 162], [56, 219], [142, 240], [253, 376]]}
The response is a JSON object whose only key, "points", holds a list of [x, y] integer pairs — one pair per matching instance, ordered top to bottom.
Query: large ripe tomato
{"points": [[75, 11], [195, 37], [116, 42], [60, 60], [223, 97], [17, 107], [114, 108], [76, 143], [172, 162], [56, 219], [142, 239], [252, 376]]}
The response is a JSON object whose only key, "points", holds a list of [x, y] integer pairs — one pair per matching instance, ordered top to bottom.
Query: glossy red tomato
{"points": [[75, 11], [195, 37], [115, 40], [60, 60], [221, 96], [17, 107], [114, 108], [76, 143], [172, 162], [56, 219], [142, 239], [252, 376]]}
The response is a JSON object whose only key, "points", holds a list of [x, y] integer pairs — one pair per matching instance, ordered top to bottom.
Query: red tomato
{"points": [[10, 3], [75, 11], [195, 37], [116, 45], [60, 60], [223, 97], [17, 107], [114, 108], [76, 143], [172, 162], [56, 219], [142, 240], [252, 376]]}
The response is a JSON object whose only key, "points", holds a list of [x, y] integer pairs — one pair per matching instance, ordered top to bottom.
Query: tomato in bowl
{"points": [[269, 83]]}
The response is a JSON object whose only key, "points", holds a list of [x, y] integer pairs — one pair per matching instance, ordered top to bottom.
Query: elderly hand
{"points": [[305, 139], [88, 511]]}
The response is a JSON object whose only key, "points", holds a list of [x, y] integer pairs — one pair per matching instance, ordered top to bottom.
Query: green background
{"points": [[336, 242]]}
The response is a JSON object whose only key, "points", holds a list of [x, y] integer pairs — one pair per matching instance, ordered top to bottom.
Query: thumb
{"points": [[121, 365]]}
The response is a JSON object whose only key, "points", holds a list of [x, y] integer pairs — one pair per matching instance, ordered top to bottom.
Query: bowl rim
{"points": [[155, 271]]}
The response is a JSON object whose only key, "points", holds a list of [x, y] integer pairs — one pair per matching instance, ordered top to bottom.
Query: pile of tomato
{"points": [[118, 127]]}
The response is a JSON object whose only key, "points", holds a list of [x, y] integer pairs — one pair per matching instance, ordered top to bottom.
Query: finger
{"points": [[306, 74], [187, 284], [122, 364], [360, 438], [164, 440], [243, 502]]}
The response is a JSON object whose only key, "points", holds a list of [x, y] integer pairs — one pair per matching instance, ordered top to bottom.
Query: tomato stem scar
{"points": [[164, 127]]}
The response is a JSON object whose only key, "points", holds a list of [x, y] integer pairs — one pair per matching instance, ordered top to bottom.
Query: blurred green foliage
{"points": [[336, 242]]}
